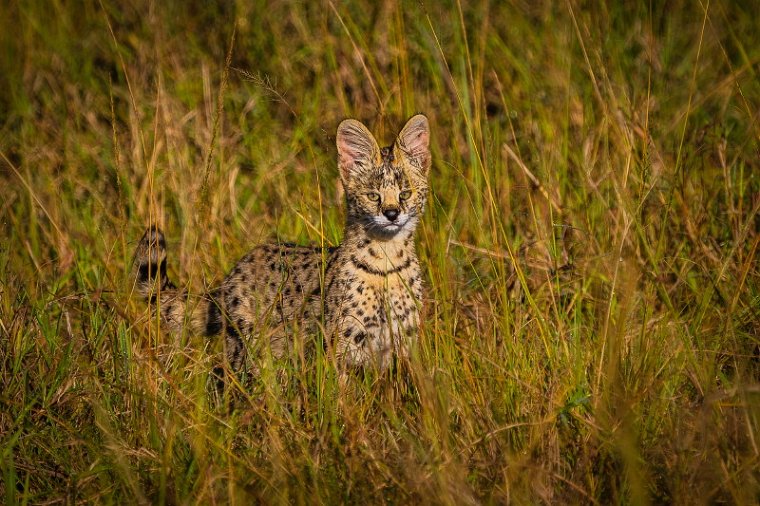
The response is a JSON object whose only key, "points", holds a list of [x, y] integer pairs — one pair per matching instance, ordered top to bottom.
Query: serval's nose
{"points": [[391, 214]]}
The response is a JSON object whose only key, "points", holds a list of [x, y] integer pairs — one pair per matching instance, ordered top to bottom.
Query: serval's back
{"points": [[365, 294]]}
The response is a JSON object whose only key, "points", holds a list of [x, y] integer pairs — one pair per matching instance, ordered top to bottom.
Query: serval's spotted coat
{"points": [[368, 297]]}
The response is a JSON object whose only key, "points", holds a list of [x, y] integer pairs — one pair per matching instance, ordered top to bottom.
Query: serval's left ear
{"points": [[413, 143], [357, 149]]}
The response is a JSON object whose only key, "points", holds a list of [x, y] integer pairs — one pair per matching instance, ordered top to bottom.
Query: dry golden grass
{"points": [[590, 248]]}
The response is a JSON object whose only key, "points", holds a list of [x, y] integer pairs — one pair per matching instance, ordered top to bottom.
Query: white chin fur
{"points": [[401, 221], [404, 222]]}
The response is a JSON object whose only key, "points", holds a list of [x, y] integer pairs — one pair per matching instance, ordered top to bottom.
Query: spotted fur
{"points": [[365, 294]]}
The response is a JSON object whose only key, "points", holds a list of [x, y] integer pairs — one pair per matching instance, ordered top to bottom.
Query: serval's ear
{"points": [[413, 143], [357, 149]]}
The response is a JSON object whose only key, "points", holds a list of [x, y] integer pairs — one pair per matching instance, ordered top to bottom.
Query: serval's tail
{"points": [[178, 310]]}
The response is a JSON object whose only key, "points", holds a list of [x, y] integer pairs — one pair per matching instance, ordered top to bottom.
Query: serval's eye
{"points": [[405, 194], [374, 197]]}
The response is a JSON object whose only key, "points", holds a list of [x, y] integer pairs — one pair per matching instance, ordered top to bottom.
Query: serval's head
{"points": [[386, 189]]}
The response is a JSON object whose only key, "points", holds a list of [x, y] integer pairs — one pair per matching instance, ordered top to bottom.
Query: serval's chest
{"points": [[373, 298]]}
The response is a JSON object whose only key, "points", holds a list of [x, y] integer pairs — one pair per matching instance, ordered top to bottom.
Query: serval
{"points": [[365, 295]]}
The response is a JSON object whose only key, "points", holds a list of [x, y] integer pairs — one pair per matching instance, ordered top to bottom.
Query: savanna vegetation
{"points": [[590, 249]]}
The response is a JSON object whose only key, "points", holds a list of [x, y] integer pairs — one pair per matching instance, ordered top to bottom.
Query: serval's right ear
{"points": [[413, 143], [357, 149]]}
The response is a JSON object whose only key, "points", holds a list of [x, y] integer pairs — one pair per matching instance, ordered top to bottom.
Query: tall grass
{"points": [[593, 314]]}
